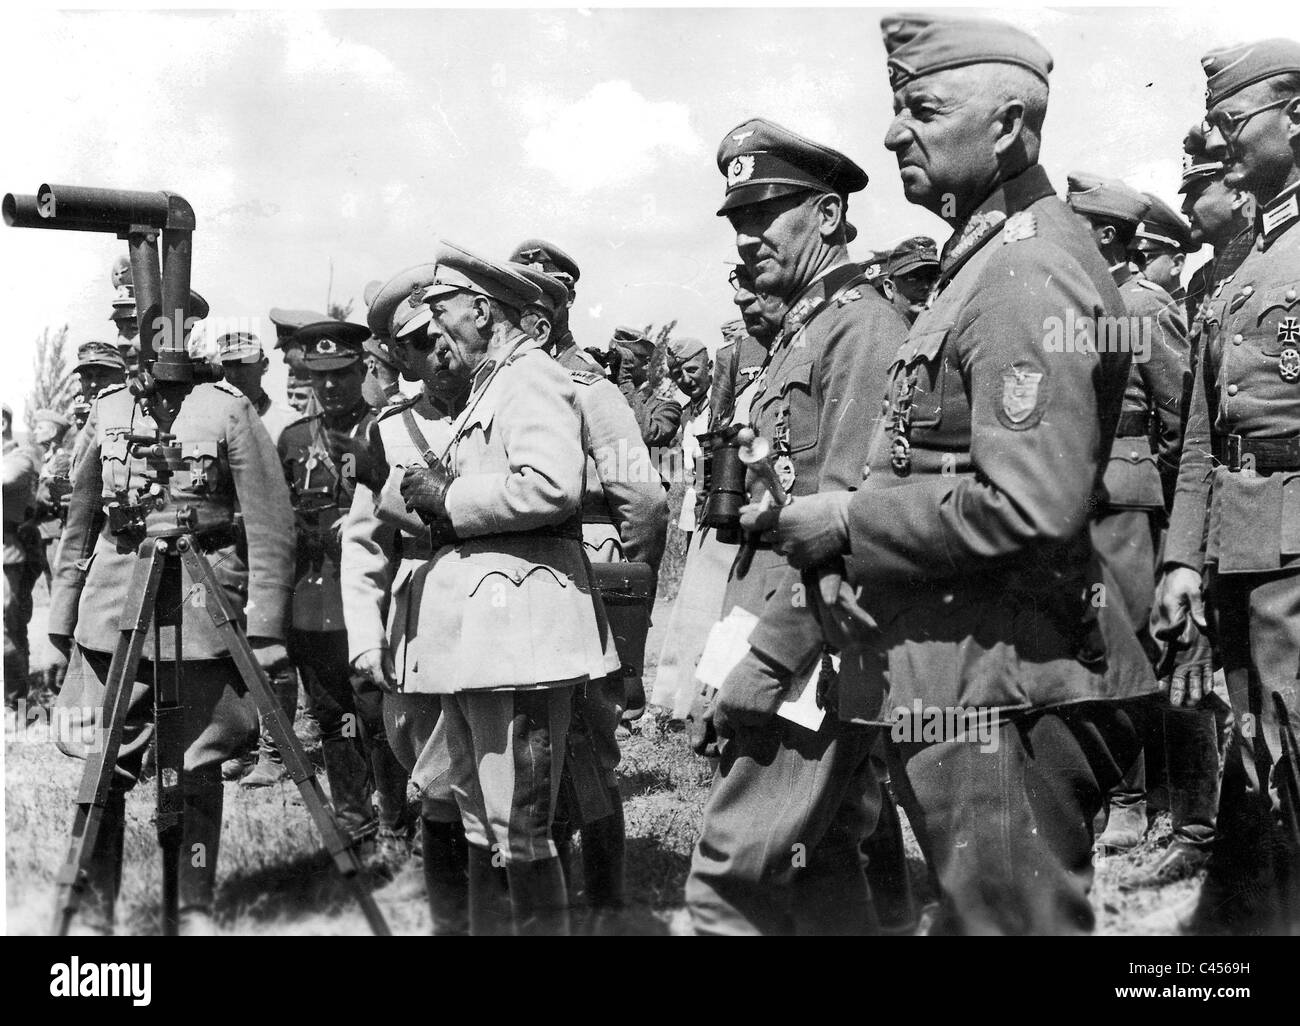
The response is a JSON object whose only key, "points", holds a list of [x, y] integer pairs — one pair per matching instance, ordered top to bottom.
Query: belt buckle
{"points": [[1233, 453]]}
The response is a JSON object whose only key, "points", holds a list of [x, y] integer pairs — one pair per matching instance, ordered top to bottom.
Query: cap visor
{"points": [[759, 192], [329, 363]]}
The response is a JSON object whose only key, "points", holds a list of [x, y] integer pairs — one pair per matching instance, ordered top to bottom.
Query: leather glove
{"points": [[360, 461], [424, 490], [809, 531], [271, 655], [376, 666], [1186, 670], [750, 695], [699, 722]]}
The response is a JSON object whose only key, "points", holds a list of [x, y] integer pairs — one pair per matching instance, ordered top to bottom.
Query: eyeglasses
{"points": [[1230, 125], [739, 279]]}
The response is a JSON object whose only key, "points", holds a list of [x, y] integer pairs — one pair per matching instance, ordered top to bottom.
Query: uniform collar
{"points": [[1009, 197], [1280, 214], [1121, 273], [815, 293]]}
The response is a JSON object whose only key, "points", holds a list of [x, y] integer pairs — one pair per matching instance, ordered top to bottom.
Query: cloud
{"points": [[613, 135]]}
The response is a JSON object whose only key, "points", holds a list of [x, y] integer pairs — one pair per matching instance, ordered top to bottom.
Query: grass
{"points": [[274, 879]]}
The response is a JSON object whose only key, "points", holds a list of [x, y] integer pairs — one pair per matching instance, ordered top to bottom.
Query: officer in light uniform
{"points": [[549, 258], [692, 372], [382, 385], [230, 465], [322, 476], [510, 492], [624, 519], [970, 539], [1233, 553], [386, 554]]}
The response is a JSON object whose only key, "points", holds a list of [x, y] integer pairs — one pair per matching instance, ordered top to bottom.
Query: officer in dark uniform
{"points": [[1161, 246], [549, 258], [913, 268], [298, 390], [657, 417], [51, 436], [1144, 457], [229, 466], [21, 473], [322, 477], [1236, 515], [624, 519], [968, 543], [780, 784]]}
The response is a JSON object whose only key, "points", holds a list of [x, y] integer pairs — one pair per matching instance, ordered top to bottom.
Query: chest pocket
{"points": [[1278, 323], [922, 356], [801, 406], [473, 436]]}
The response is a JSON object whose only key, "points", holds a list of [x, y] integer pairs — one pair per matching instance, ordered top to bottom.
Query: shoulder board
{"points": [[1019, 226], [1147, 283], [850, 295], [583, 377], [229, 389], [111, 390], [396, 407], [301, 422]]}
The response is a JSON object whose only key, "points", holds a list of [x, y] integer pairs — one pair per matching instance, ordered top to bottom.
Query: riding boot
{"points": [[270, 765], [348, 775], [390, 785], [604, 844], [446, 862], [104, 874], [887, 876], [197, 878], [489, 895], [539, 901]]}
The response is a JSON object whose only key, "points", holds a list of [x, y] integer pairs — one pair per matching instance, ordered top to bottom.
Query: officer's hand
{"points": [[368, 467], [424, 490], [809, 531], [1178, 596], [271, 655], [376, 666], [1187, 669], [750, 695], [699, 722]]}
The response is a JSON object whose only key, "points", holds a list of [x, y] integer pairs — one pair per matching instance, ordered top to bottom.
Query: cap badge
{"points": [[740, 137], [741, 169], [417, 295], [326, 345]]}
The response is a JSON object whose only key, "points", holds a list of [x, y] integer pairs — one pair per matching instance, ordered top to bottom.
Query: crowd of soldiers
{"points": [[1003, 532]]}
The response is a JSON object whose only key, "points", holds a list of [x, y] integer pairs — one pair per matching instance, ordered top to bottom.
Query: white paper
{"points": [[728, 642], [803, 708]]}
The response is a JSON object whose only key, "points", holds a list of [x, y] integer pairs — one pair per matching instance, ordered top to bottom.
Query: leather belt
{"points": [[1133, 424], [1263, 455]]}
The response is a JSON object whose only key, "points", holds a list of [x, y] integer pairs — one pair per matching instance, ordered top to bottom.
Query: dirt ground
{"points": [[273, 878]]}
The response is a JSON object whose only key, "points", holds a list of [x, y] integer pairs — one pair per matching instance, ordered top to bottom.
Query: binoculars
{"points": [[158, 228], [724, 481]]}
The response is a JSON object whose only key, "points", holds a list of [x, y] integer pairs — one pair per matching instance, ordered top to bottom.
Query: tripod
{"points": [[155, 597]]}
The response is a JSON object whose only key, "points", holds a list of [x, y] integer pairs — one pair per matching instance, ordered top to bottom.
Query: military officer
{"points": [[1161, 245], [549, 258], [873, 269], [912, 269], [244, 365], [736, 365], [691, 370], [383, 374], [298, 390], [657, 417], [51, 433], [1143, 463], [228, 465], [321, 473], [21, 474], [510, 491], [624, 519], [970, 536], [386, 552], [1233, 553], [780, 784]]}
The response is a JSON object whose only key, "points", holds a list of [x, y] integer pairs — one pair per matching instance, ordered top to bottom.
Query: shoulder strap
{"points": [[417, 436]]}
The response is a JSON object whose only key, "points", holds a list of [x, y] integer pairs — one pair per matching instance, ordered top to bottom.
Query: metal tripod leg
{"points": [[169, 746], [97, 778], [337, 841]]}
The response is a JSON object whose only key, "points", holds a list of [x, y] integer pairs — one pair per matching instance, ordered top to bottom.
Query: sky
{"points": [[315, 139]]}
